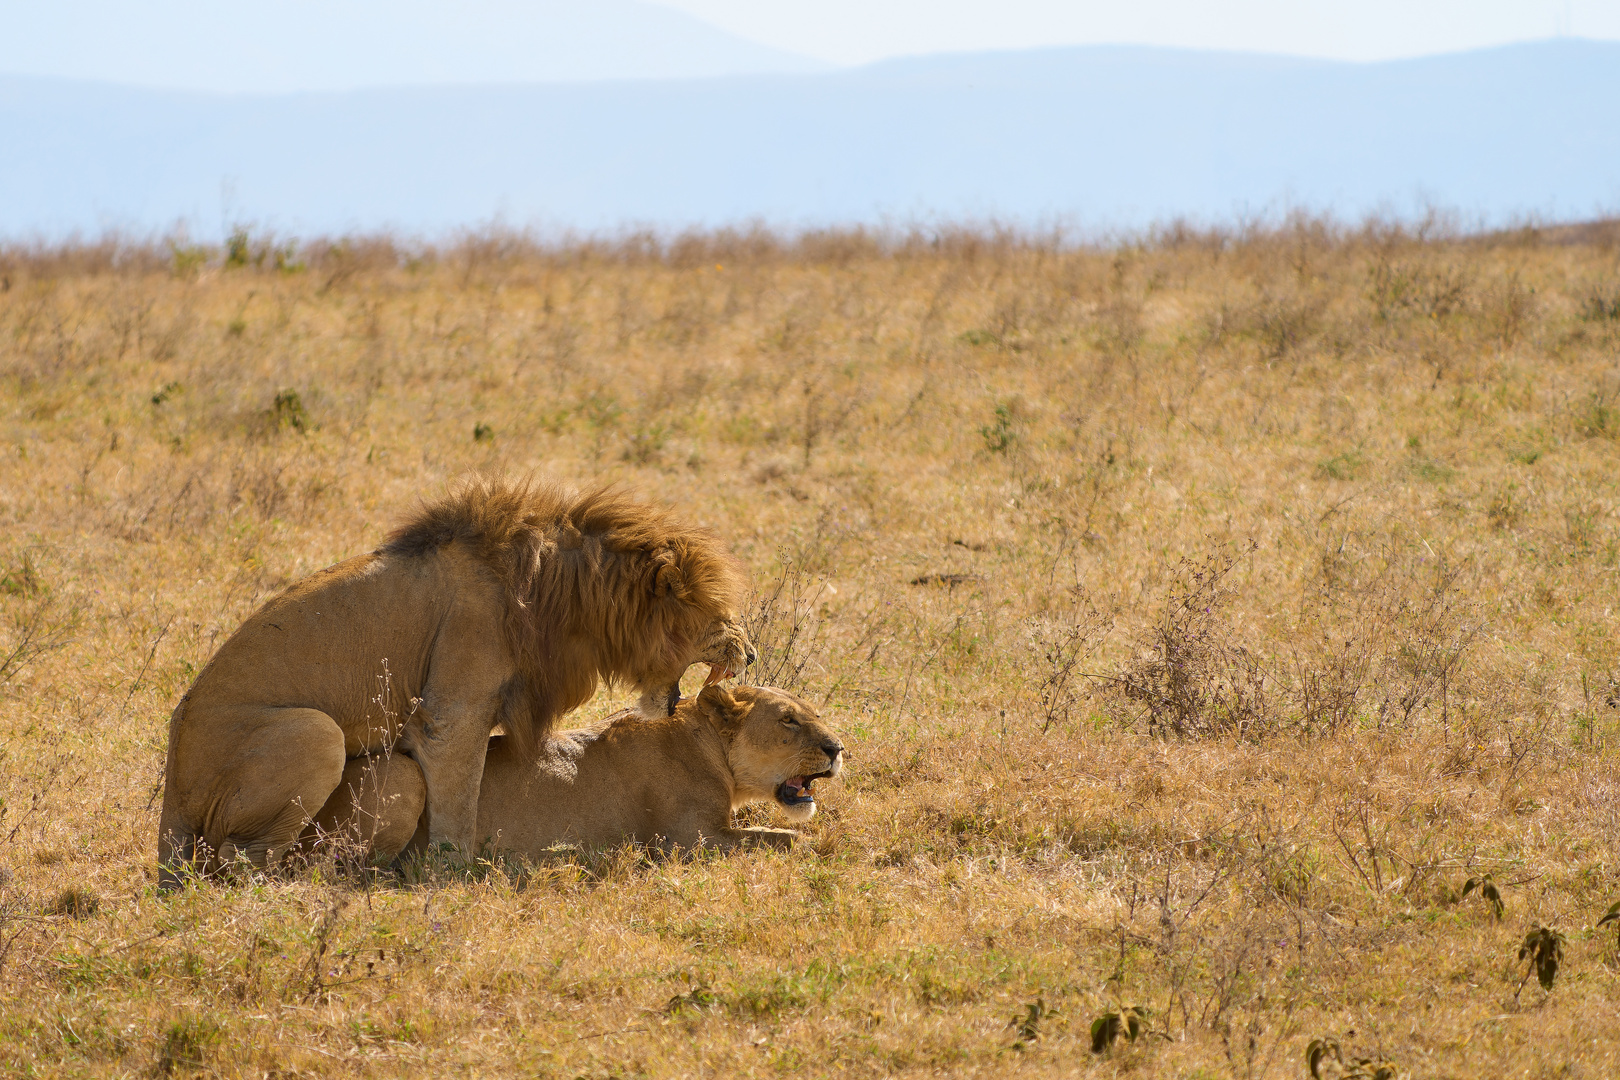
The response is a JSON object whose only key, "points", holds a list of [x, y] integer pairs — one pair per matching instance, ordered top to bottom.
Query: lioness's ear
{"points": [[667, 576], [725, 709]]}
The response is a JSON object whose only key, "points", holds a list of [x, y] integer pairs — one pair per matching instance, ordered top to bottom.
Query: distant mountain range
{"points": [[292, 46], [1104, 137]]}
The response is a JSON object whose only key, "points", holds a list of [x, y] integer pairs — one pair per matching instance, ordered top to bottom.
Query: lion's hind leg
{"points": [[277, 776], [375, 809], [177, 853]]}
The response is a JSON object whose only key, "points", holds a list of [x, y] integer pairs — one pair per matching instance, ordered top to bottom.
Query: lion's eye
{"points": [[788, 721]]}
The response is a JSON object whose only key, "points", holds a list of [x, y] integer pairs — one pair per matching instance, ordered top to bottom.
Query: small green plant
{"points": [[238, 250], [187, 259], [285, 259], [1601, 306], [978, 338], [166, 394], [601, 410], [288, 411], [1600, 418], [482, 432], [999, 435], [645, 445], [1525, 454], [1345, 466], [1431, 469], [1505, 509], [1581, 527], [23, 580], [1487, 892], [76, 903], [1612, 916], [1544, 949], [773, 997], [697, 999], [1028, 1022], [1130, 1022], [186, 1045], [1317, 1052], [1357, 1068]]}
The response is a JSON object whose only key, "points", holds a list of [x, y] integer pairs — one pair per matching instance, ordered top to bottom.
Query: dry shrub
{"points": [[1400, 290], [39, 618], [785, 625], [1381, 638], [1063, 640], [809, 641], [1376, 642], [1191, 674]]}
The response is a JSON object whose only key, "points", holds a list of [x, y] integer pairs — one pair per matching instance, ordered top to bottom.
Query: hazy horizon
{"points": [[853, 32], [318, 45], [1101, 138]]}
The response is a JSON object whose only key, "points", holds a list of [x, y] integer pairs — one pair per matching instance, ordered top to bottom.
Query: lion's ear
{"points": [[668, 580], [723, 707]]}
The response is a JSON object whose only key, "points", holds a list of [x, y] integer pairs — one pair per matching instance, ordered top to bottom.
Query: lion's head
{"points": [[599, 586], [696, 587], [723, 645], [779, 747]]}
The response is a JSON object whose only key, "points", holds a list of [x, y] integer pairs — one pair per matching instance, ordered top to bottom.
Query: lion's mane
{"points": [[598, 586]]}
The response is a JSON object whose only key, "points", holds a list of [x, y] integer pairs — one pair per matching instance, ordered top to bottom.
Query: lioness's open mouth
{"points": [[795, 790]]}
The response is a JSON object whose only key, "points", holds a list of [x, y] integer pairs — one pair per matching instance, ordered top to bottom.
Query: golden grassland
{"points": [[1202, 615]]}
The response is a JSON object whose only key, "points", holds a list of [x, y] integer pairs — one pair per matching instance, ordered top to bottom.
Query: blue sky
{"points": [[856, 31]]}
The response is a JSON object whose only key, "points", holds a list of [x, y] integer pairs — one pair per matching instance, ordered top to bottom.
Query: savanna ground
{"points": [[1202, 614]]}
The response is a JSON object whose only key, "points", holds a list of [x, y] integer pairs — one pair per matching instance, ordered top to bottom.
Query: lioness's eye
{"points": [[789, 721]]}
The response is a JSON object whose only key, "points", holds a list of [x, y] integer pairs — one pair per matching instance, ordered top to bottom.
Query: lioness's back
{"points": [[624, 778]]}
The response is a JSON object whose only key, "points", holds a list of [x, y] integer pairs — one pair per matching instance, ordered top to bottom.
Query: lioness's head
{"points": [[779, 747]]}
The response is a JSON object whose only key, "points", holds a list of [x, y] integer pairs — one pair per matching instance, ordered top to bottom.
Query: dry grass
{"points": [[1201, 614]]}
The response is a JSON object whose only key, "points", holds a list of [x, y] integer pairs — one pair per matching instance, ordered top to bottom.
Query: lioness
{"points": [[505, 603], [670, 782]]}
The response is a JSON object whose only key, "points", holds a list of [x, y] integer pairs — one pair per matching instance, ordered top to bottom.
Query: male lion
{"points": [[504, 603], [670, 782]]}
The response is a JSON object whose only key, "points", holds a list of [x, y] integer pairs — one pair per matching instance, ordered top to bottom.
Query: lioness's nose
{"points": [[750, 656], [832, 750]]}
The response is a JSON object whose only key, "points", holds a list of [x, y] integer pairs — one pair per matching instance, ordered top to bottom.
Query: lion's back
{"points": [[333, 641]]}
